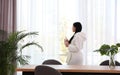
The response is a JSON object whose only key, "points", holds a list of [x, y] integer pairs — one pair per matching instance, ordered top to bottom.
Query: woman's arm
{"points": [[66, 42]]}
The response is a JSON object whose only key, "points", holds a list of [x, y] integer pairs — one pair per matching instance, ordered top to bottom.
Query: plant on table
{"points": [[109, 50]]}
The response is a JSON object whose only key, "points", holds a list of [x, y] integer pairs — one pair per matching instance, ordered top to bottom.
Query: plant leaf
{"points": [[23, 35], [29, 44], [118, 44], [103, 49], [114, 49], [23, 59]]}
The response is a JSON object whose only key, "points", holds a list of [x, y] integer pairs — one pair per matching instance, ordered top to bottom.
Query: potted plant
{"points": [[111, 51], [11, 52]]}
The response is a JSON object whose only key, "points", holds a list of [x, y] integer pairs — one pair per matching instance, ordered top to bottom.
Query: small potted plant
{"points": [[111, 51], [11, 52]]}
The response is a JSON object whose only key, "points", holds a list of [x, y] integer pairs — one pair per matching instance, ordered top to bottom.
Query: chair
{"points": [[51, 62], [106, 63], [46, 70]]}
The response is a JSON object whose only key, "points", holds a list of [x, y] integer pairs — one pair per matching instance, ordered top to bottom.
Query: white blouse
{"points": [[75, 56]]}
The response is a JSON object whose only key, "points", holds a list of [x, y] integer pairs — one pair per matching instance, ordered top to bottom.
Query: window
{"points": [[53, 20]]}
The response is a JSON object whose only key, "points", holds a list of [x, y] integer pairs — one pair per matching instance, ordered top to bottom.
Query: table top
{"points": [[74, 68]]}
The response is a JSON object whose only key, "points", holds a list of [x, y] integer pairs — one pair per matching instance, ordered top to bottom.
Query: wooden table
{"points": [[74, 70]]}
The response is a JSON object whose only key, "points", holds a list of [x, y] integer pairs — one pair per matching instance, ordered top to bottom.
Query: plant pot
{"points": [[112, 61]]}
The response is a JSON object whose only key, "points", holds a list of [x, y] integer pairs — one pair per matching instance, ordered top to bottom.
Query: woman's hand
{"points": [[66, 42]]}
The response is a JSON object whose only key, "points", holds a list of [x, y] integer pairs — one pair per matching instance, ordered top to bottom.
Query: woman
{"points": [[75, 45]]}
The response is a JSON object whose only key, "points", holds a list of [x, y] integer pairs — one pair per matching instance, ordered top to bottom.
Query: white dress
{"points": [[75, 56]]}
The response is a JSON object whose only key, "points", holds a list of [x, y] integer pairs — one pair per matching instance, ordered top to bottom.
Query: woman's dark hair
{"points": [[78, 27]]}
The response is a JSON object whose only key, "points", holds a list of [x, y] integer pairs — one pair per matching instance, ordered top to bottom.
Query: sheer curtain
{"points": [[40, 16], [53, 20], [102, 27]]}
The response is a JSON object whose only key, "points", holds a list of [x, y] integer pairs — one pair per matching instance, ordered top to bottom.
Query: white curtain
{"points": [[40, 16], [53, 20], [102, 27]]}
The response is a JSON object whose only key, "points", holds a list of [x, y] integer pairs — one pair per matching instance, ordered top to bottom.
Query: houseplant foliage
{"points": [[109, 50], [11, 53]]}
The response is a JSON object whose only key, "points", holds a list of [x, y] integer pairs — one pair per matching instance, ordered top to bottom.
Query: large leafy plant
{"points": [[108, 50], [11, 52]]}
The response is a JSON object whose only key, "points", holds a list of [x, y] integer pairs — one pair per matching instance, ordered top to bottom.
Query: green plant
{"points": [[106, 49], [109, 51], [11, 52]]}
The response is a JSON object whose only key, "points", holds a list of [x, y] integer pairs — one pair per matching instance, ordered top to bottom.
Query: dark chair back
{"points": [[51, 62], [106, 63], [46, 70]]}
